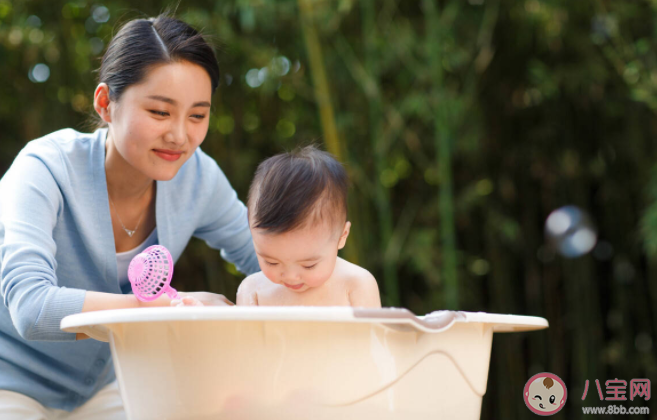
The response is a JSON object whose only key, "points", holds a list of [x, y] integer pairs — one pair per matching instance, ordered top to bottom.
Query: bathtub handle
{"points": [[402, 319]]}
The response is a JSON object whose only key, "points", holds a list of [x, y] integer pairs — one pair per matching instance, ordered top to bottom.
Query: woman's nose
{"points": [[177, 134]]}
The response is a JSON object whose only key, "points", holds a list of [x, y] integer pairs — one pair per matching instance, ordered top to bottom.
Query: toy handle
{"points": [[171, 292]]}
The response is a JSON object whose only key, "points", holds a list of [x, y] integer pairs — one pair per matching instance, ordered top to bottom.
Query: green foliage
{"points": [[649, 219]]}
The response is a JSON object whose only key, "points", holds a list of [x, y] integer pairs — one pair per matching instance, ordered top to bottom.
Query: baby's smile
{"points": [[293, 287]]}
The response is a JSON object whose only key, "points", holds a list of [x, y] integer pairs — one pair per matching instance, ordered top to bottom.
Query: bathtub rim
{"points": [[95, 323]]}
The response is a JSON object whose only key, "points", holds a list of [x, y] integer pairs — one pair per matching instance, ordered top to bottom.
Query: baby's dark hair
{"points": [[291, 190]]}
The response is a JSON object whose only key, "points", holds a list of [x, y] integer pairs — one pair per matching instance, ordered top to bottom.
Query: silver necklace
{"points": [[128, 231]]}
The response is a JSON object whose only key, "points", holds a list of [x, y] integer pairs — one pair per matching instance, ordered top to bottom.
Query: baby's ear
{"points": [[344, 235]]}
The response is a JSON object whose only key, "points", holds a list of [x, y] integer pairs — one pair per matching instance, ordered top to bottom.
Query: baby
{"points": [[297, 209]]}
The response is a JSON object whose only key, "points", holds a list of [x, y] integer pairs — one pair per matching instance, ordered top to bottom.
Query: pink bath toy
{"points": [[150, 274]]}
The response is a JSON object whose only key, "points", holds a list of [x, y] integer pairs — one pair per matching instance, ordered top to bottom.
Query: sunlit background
{"points": [[501, 152]]}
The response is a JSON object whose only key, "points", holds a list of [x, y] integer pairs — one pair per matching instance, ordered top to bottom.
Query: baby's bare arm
{"points": [[364, 291], [247, 294]]}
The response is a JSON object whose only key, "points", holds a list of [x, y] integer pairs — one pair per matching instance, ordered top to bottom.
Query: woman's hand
{"points": [[201, 299], [186, 301]]}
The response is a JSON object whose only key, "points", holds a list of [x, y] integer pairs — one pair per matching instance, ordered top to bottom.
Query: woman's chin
{"points": [[163, 175]]}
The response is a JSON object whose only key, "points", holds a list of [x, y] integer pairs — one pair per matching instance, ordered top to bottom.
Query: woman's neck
{"points": [[124, 182]]}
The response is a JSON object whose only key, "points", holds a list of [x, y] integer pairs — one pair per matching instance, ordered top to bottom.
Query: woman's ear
{"points": [[102, 102], [345, 234]]}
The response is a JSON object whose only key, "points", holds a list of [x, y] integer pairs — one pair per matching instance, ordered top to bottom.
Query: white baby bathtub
{"points": [[337, 363]]}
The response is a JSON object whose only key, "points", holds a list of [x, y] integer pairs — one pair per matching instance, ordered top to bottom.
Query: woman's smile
{"points": [[169, 155]]}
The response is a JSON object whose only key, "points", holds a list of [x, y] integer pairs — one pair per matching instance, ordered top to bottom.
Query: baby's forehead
{"points": [[321, 219], [318, 229], [311, 243]]}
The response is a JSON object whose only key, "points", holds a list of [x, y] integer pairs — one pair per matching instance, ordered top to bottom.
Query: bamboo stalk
{"points": [[318, 73], [324, 103], [376, 120], [443, 136]]}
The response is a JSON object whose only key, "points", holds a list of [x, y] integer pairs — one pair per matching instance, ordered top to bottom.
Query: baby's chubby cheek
{"points": [[315, 280]]}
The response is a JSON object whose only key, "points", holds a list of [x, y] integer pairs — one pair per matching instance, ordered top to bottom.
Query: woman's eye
{"points": [[160, 113], [198, 117], [269, 263], [309, 267], [552, 398]]}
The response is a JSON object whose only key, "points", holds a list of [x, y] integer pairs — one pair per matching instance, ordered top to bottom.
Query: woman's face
{"points": [[158, 124]]}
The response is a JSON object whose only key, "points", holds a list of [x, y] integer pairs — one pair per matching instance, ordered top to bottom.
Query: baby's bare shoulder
{"points": [[354, 275], [255, 279], [362, 286], [248, 289]]}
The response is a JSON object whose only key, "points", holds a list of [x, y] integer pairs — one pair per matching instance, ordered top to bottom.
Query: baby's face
{"points": [[300, 259], [544, 399]]}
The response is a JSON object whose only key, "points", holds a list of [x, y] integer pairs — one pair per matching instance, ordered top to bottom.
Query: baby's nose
{"points": [[290, 276]]}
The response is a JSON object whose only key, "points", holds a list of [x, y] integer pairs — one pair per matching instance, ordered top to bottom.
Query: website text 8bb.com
{"points": [[616, 409]]}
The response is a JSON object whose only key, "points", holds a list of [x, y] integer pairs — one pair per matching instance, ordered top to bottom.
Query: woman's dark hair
{"points": [[143, 43], [292, 190]]}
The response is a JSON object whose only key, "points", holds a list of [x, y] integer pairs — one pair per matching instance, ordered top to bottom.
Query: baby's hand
{"points": [[186, 301]]}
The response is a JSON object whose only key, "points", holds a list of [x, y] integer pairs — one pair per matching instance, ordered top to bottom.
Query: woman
{"points": [[76, 207]]}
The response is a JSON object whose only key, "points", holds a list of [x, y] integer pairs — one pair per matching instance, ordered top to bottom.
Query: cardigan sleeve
{"points": [[30, 202], [224, 223]]}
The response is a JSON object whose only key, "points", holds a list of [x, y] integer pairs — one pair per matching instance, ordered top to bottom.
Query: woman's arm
{"points": [[29, 210], [223, 223], [98, 301]]}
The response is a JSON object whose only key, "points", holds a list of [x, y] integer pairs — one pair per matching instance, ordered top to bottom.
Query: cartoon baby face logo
{"points": [[545, 394]]}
